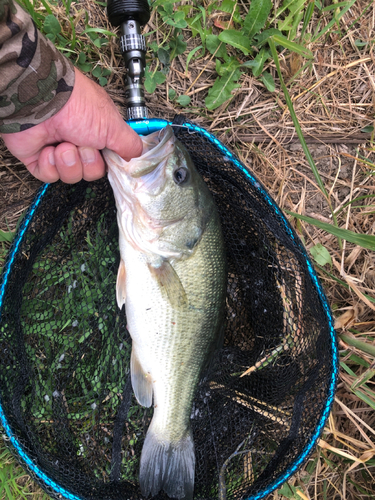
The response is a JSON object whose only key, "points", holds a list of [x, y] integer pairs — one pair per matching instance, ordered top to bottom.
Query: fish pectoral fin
{"points": [[170, 284], [121, 285], [141, 381]]}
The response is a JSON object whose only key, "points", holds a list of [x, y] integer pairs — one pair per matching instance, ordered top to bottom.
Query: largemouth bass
{"points": [[172, 281]]}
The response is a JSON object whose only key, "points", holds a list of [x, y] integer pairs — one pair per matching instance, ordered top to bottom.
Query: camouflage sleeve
{"points": [[36, 80]]}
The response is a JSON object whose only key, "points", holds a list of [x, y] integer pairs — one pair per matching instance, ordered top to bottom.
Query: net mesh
{"points": [[65, 390]]}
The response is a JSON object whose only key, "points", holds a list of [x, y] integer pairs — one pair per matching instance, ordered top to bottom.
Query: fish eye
{"points": [[180, 175]]}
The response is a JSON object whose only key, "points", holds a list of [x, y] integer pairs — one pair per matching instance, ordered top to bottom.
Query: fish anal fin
{"points": [[170, 284], [121, 285], [141, 381]]}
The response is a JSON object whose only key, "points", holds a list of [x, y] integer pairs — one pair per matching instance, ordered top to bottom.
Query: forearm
{"points": [[36, 80]]}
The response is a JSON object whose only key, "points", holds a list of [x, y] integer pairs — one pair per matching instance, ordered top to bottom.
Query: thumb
{"points": [[122, 139]]}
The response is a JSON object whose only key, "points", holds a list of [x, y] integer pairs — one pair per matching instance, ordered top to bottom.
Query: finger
{"points": [[122, 139], [92, 162], [68, 163], [44, 167]]}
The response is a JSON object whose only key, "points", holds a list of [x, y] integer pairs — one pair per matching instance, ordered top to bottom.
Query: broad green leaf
{"points": [[230, 7], [256, 17], [177, 21], [52, 25], [236, 39], [100, 42], [212, 43], [178, 46], [163, 56], [81, 58], [257, 64], [230, 65], [85, 67], [97, 72], [152, 80], [103, 81], [268, 81], [222, 89], [220, 92], [171, 94], [183, 100], [368, 129], [363, 240], [321, 255], [288, 491]]}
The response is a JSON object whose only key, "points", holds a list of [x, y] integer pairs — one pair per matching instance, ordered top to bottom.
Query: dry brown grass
{"points": [[333, 99]]}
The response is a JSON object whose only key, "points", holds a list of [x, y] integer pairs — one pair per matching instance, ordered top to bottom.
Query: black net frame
{"points": [[66, 402]]}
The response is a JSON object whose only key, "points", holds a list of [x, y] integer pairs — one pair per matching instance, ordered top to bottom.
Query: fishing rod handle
{"points": [[120, 11], [131, 15]]}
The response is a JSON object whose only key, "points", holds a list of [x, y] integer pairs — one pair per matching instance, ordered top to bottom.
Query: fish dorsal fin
{"points": [[121, 284], [170, 284], [141, 381]]}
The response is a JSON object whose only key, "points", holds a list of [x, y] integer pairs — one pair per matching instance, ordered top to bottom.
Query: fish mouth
{"points": [[157, 147]]}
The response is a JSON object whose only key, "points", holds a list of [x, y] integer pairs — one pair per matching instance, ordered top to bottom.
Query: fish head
{"points": [[163, 203]]}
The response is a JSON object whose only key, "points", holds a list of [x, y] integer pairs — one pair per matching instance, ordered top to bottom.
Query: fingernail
{"points": [[87, 155], [69, 158], [51, 159]]}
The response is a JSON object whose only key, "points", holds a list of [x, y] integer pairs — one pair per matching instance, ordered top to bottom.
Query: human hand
{"points": [[87, 123]]}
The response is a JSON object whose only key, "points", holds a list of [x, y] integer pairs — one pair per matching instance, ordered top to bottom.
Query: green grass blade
{"points": [[46, 6], [334, 6], [307, 18], [333, 21], [98, 30], [293, 46], [294, 117], [296, 124], [353, 201], [7, 236], [362, 240], [341, 282], [358, 344], [366, 399]]}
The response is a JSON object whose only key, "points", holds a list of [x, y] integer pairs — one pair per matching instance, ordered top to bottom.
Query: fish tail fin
{"points": [[168, 466]]}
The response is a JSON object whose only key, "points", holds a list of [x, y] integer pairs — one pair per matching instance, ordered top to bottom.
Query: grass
{"points": [[303, 69], [14, 481]]}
